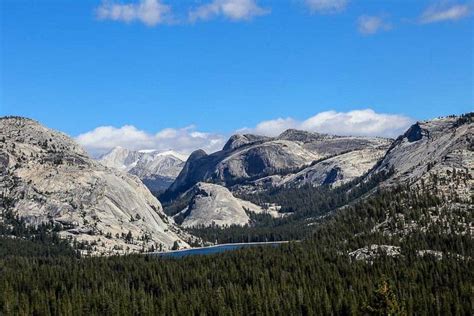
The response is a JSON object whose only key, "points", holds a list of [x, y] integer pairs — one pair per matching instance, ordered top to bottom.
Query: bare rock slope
{"points": [[437, 153], [247, 158], [47, 177], [214, 205]]}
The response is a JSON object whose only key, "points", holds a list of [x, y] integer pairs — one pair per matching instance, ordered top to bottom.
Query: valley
{"points": [[255, 189], [366, 212]]}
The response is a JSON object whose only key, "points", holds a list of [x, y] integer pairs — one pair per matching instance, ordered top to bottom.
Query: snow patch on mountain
{"points": [[156, 169]]}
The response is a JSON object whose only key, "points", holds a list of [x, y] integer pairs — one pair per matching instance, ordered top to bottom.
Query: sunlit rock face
{"points": [[436, 153], [293, 158], [47, 177], [214, 205]]}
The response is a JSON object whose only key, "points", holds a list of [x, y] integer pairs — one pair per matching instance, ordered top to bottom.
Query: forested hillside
{"points": [[316, 276], [297, 279]]}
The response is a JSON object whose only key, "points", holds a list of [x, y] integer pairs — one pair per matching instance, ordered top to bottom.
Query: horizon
{"points": [[150, 74]]}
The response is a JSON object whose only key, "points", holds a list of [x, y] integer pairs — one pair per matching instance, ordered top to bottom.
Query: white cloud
{"points": [[326, 6], [235, 10], [149, 12], [444, 12], [369, 25], [358, 123], [271, 127], [102, 139]]}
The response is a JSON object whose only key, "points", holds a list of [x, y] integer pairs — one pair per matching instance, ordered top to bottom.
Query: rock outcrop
{"points": [[434, 153], [336, 170], [47, 177], [214, 205]]}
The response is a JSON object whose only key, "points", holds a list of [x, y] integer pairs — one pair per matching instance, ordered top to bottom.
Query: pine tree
{"points": [[383, 302]]}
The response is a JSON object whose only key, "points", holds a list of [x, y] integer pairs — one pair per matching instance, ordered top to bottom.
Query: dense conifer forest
{"points": [[42, 275], [296, 279]]}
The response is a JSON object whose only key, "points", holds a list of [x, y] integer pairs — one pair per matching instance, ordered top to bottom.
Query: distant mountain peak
{"points": [[173, 153], [156, 169]]}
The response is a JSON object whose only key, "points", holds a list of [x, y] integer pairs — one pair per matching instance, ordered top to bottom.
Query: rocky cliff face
{"points": [[437, 153], [249, 157], [157, 170], [336, 170], [47, 177], [214, 205]]}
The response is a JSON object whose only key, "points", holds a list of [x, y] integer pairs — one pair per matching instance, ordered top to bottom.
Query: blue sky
{"points": [[212, 67]]}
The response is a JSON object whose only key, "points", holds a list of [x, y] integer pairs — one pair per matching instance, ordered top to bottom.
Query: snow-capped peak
{"points": [[147, 151], [176, 154], [150, 165]]}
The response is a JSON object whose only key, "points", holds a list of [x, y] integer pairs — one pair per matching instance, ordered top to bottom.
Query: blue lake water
{"points": [[213, 249]]}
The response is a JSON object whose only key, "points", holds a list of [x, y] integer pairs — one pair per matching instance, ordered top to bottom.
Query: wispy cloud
{"points": [[326, 6], [235, 10], [445, 11], [149, 12], [369, 25], [358, 122], [103, 138]]}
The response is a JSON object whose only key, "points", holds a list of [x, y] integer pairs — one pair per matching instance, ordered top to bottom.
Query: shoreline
{"points": [[256, 243]]}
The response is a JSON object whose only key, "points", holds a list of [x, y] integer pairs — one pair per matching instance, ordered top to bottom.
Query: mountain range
{"points": [[294, 158], [156, 169], [254, 181]]}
